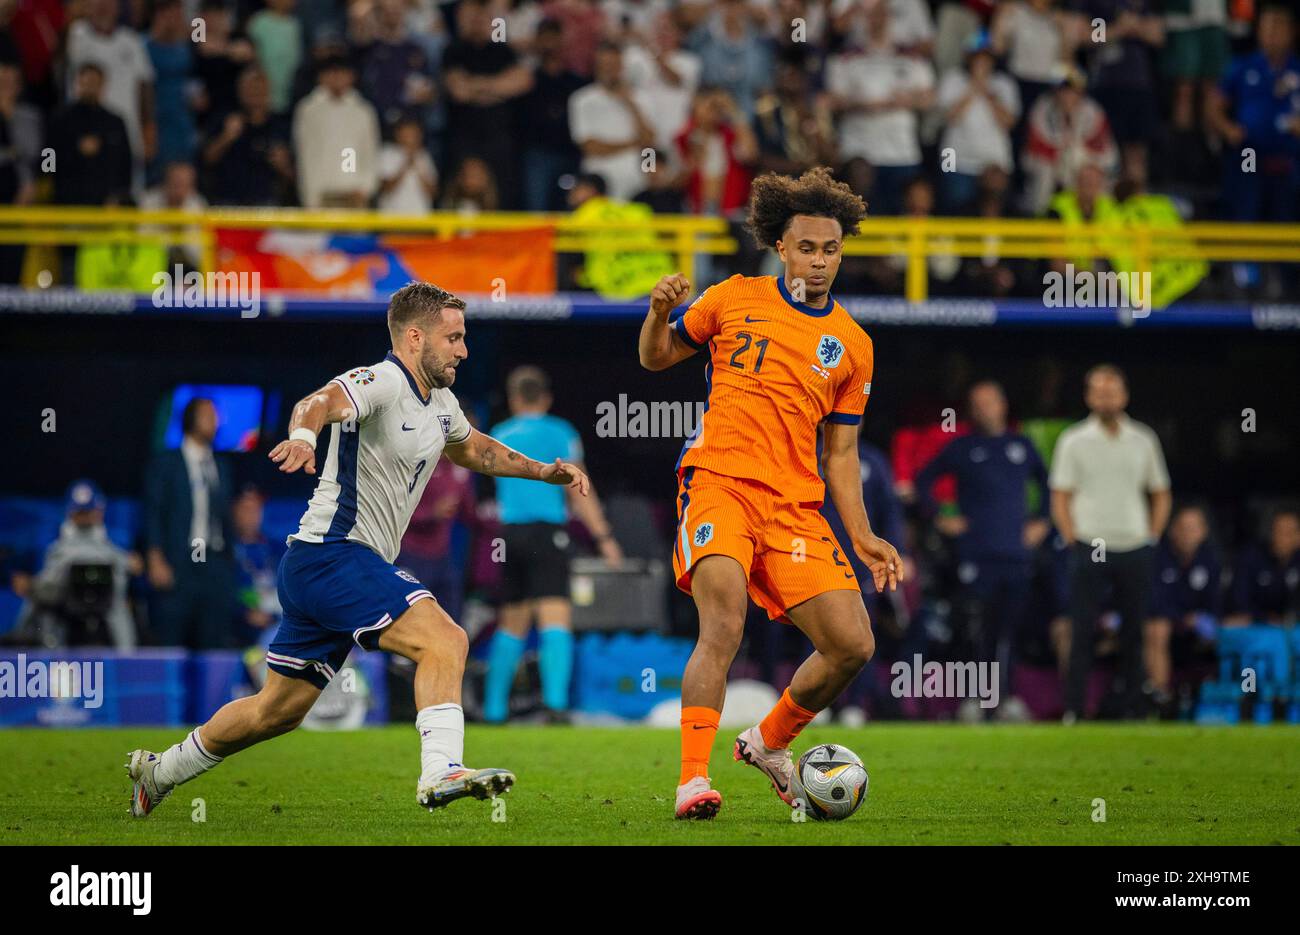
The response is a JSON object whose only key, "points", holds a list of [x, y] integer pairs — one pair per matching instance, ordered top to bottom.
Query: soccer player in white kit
{"points": [[389, 424]]}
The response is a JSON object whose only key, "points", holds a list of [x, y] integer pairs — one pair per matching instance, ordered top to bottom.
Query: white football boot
{"points": [[776, 765], [460, 782], [145, 794], [697, 800]]}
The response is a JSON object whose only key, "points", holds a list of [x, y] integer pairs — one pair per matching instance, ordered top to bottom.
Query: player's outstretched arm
{"points": [[658, 347], [327, 405], [486, 455], [843, 473]]}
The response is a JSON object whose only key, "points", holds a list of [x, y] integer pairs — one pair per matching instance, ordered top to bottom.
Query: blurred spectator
{"points": [[584, 24], [957, 25], [792, 27], [911, 28], [36, 29], [277, 37], [1034, 38], [169, 49], [733, 53], [1196, 54], [219, 60], [395, 73], [1122, 73], [127, 76], [665, 77], [483, 80], [878, 94], [980, 107], [1255, 112], [611, 127], [794, 128], [1065, 130], [336, 142], [20, 145], [91, 146], [548, 150], [718, 150], [247, 155], [408, 180], [472, 189], [178, 192], [1087, 202], [992, 274], [1103, 472], [186, 523], [991, 533], [427, 549], [257, 561], [1266, 579], [535, 584], [79, 595], [1186, 598]]}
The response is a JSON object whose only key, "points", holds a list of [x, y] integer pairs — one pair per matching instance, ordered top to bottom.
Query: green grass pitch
{"points": [[930, 784]]}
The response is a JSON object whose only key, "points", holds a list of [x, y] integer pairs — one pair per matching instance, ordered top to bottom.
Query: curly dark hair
{"points": [[775, 199]]}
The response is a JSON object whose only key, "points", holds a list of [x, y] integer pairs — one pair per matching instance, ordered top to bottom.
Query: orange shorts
{"points": [[786, 547]]}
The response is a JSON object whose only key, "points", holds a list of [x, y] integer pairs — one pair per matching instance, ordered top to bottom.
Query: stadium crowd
{"points": [[956, 107]]}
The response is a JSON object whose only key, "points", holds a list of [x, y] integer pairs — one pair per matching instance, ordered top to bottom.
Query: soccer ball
{"points": [[833, 780]]}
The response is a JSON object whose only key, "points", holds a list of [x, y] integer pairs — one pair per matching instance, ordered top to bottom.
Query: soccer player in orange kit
{"points": [[783, 360]]}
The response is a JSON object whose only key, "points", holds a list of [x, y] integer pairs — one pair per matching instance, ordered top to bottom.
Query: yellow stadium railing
{"points": [[914, 239]]}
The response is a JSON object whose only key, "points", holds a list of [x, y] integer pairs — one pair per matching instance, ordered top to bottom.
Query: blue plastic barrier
{"points": [[1273, 655], [626, 675], [153, 687]]}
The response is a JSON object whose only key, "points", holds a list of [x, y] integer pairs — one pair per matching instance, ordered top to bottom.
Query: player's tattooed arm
{"points": [[658, 347], [311, 414], [486, 455], [843, 472]]}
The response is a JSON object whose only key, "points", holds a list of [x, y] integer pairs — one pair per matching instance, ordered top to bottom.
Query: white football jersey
{"points": [[378, 464]]}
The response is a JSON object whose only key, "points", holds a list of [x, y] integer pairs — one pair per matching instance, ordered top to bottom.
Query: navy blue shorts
{"points": [[335, 595]]}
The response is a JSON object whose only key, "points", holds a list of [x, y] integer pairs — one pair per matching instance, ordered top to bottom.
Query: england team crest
{"points": [[829, 351]]}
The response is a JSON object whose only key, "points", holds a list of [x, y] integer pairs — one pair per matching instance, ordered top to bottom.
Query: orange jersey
{"points": [[777, 368]]}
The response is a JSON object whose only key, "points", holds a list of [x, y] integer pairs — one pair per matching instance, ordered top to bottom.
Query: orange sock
{"points": [[784, 722], [699, 727]]}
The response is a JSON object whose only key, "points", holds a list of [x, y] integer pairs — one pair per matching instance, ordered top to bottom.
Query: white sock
{"points": [[442, 739], [183, 762]]}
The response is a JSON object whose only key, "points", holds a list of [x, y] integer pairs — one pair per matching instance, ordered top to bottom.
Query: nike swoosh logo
{"points": [[751, 321], [407, 428], [699, 727]]}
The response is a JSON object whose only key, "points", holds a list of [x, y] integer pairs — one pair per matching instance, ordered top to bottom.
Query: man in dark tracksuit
{"points": [[886, 513], [992, 535]]}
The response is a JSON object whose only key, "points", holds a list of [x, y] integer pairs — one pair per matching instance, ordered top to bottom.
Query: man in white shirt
{"points": [[128, 76], [665, 77], [877, 95], [610, 127], [336, 141], [407, 177], [1111, 499]]}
